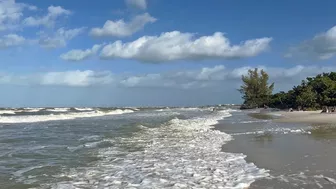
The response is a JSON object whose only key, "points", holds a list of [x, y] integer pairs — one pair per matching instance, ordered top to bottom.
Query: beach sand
{"points": [[305, 117], [297, 154]]}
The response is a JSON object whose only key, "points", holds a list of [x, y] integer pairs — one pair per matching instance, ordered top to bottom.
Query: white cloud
{"points": [[139, 4], [11, 13], [48, 20], [120, 28], [60, 38], [11, 40], [171, 46], [322, 46], [78, 55], [211, 73], [219, 76], [215, 77], [76, 78], [199, 78]]}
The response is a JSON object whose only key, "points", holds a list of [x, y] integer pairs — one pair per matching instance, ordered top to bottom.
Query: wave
{"points": [[31, 109], [57, 109], [84, 109], [7, 112], [67, 116], [95, 144], [179, 154]]}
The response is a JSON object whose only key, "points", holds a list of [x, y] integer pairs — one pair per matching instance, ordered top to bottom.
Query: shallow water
{"points": [[146, 148], [297, 155]]}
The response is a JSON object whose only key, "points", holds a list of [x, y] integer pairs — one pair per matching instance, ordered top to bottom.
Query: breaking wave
{"points": [[57, 109], [84, 109], [6, 112], [42, 115], [178, 154]]}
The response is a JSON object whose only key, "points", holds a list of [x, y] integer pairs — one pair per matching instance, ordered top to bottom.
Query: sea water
{"points": [[67, 148]]}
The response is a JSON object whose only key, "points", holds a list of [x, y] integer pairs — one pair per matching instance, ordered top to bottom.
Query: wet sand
{"points": [[298, 155]]}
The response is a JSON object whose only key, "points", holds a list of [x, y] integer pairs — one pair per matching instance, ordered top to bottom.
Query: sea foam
{"points": [[65, 116], [178, 154]]}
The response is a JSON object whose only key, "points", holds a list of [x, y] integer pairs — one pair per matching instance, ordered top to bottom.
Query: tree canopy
{"points": [[255, 89], [312, 93]]}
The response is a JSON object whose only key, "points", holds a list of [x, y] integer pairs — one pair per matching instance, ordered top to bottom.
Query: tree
{"points": [[324, 85], [255, 89], [313, 93], [306, 98], [279, 100]]}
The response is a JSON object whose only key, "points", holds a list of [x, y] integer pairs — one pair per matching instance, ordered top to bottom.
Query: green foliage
{"points": [[255, 89], [311, 94], [306, 97]]}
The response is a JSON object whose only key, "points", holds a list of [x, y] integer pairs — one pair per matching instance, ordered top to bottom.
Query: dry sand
{"points": [[305, 117]]}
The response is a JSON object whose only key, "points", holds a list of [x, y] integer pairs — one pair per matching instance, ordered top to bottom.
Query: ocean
{"points": [[65, 148]]}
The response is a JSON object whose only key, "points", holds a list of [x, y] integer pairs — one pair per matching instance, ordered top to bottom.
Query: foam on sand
{"points": [[65, 116], [278, 130], [178, 154], [306, 178]]}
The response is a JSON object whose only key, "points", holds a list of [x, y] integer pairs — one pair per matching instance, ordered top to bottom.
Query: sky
{"points": [[157, 52]]}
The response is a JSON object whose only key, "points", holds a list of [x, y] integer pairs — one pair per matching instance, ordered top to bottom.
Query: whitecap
{"points": [[58, 109], [84, 109], [7, 112], [68, 116], [181, 153]]}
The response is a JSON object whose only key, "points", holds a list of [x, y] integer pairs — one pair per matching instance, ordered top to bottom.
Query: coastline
{"points": [[308, 117], [297, 154]]}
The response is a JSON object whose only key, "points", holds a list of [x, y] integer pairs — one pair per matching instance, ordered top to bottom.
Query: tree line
{"points": [[313, 93]]}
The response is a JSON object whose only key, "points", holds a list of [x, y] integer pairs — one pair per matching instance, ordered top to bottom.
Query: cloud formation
{"points": [[138, 4], [11, 13], [12, 17], [48, 20], [120, 28], [60, 38], [11, 40], [171, 46], [322, 46], [78, 55], [216, 76], [219, 76], [76, 78]]}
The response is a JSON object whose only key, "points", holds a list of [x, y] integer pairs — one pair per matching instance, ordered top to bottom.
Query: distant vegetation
{"points": [[313, 93]]}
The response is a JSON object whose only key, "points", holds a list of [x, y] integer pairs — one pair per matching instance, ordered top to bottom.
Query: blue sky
{"points": [[156, 52]]}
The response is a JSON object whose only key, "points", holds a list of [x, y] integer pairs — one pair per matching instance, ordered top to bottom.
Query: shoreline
{"points": [[308, 117], [295, 154]]}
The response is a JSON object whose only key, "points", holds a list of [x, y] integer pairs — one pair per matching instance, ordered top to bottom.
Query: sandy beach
{"points": [[303, 117], [298, 151]]}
